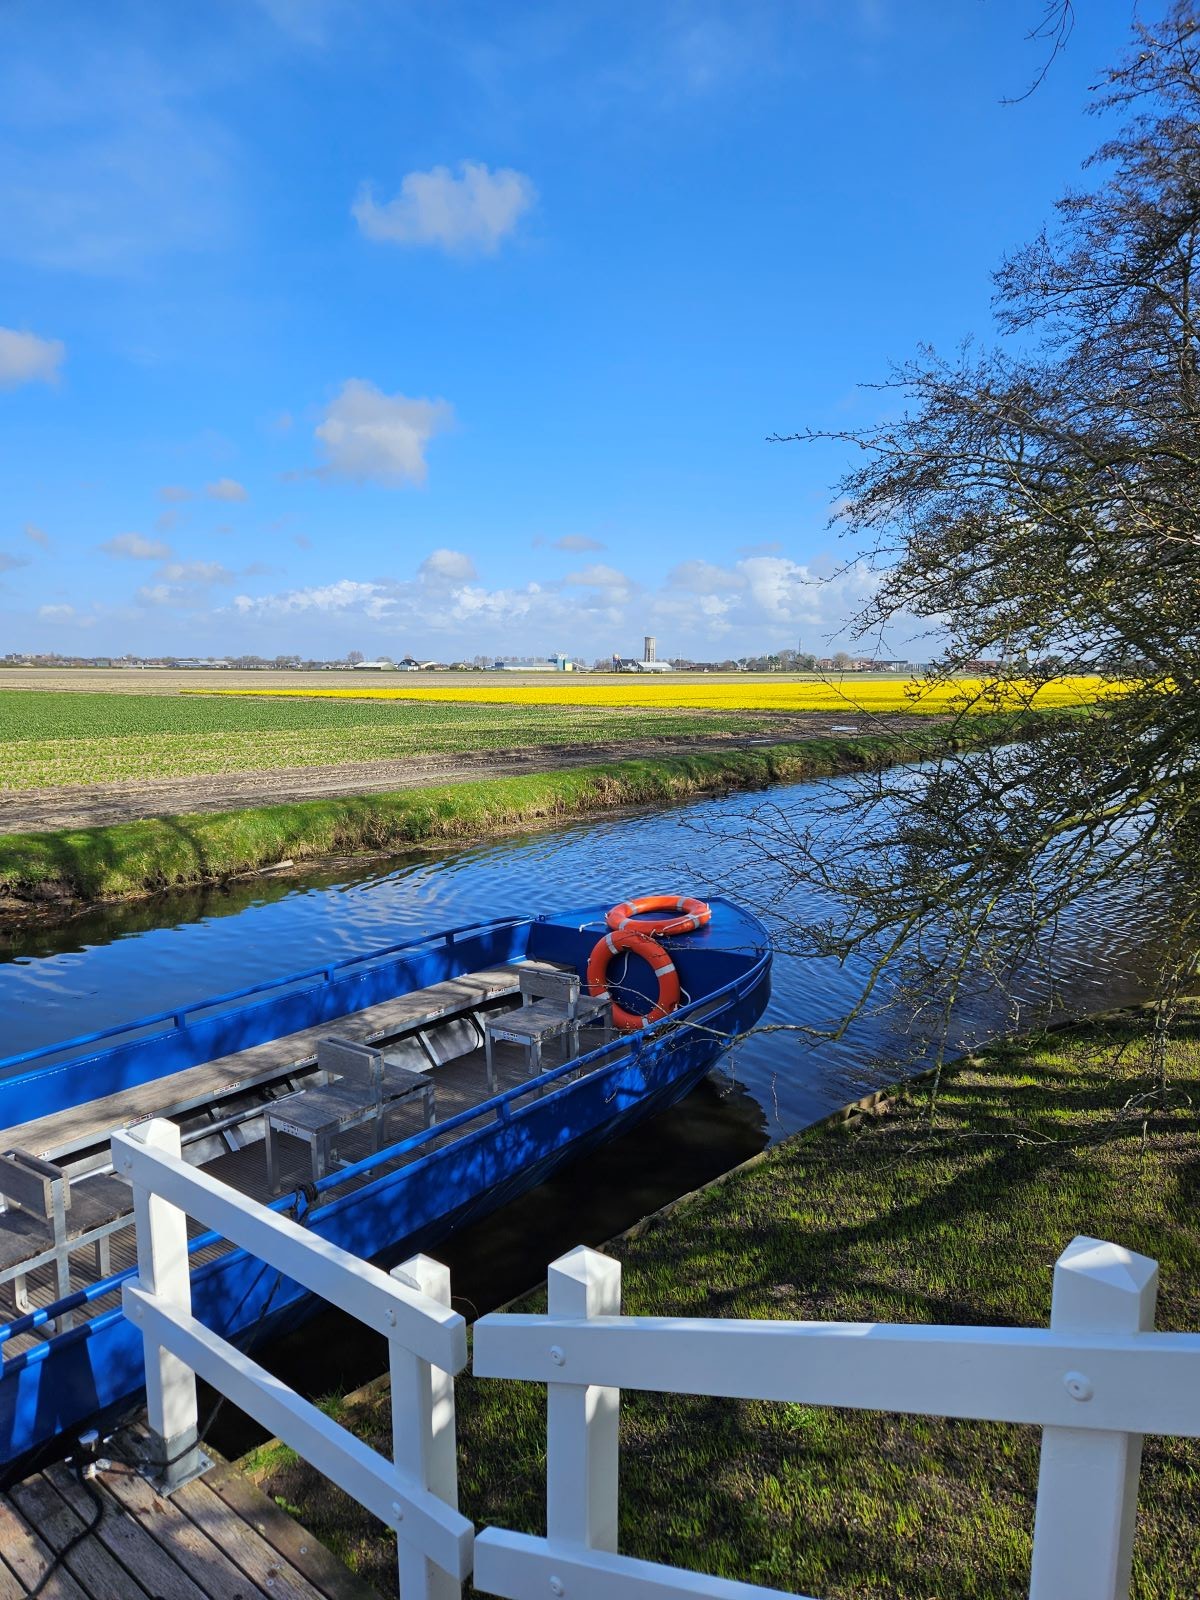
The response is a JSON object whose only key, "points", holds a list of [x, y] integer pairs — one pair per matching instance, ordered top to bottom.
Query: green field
{"points": [[57, 738], [871, 1220]]}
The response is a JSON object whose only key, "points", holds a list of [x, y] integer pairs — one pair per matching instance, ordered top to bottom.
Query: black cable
{"points": [[76, 1538]]}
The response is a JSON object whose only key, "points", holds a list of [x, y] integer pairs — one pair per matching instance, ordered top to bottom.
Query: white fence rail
{"points": [[1096, 1380], [416, 1493]]}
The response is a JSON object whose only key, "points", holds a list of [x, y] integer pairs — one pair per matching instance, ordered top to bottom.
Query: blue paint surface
{"points": [[58, 1386]]}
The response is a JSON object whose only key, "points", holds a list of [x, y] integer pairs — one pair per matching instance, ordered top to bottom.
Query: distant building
{"points": [[649, 648], [559, 663], [629, 664], [375, 666]]}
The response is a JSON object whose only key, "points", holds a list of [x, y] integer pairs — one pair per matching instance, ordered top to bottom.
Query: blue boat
{"points": [[243, 1074]]}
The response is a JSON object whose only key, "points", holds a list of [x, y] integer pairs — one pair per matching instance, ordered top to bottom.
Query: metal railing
{"points": [[176, 1017], [497, 1107], [415, 1493]]}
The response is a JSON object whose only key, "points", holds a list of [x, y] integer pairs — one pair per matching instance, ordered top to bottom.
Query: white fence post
{"points": [[164, 1272], [582, 1418], [423, 1433], [1088, 1483]]}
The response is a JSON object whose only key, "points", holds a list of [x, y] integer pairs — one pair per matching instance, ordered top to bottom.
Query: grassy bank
{"points": [[158, 852], [870, 1220]]}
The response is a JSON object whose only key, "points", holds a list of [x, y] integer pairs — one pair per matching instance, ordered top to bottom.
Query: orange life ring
{"points": [[688, 915], [637, 944]]}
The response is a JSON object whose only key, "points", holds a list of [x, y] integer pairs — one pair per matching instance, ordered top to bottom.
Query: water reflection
{"points": [[119, 962]]}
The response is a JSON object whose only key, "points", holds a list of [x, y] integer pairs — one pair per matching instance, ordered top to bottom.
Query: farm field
{"points": [[860, 694], [54, 738]]}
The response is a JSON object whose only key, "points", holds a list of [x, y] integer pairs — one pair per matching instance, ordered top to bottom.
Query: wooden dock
{"points": [[217, 1538]]}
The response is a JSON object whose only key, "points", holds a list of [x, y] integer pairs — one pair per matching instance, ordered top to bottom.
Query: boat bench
{"points": [[551, 1005], [366, 1088], [47, 1217]]}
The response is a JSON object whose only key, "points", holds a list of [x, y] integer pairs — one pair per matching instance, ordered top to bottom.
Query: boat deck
{"points": [[460, 1085], [65, 1132], [217, 1538]]}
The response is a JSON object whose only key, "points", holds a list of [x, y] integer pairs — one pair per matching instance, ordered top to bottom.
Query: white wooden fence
{"points": [[1095, 1381], [416, 1493]]}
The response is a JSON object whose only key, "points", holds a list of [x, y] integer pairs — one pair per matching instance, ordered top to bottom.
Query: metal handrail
{"points": [[177, 1015], [497, 1105]]}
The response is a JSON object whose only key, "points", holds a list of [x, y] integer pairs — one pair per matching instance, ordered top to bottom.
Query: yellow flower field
{"points": [[752, 692]]}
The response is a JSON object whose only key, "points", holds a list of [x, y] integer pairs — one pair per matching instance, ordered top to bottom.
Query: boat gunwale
{"points": [[176, 1015], [495, 1107]]}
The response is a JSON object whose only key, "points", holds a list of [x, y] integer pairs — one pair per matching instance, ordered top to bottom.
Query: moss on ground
{"points": [[159, 852], [871, 1220]]}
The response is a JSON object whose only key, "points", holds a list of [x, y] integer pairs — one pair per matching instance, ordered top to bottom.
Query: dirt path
{"points": [[98, 805]]}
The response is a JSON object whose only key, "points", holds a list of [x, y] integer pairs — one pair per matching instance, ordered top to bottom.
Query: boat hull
{"points": [[96, 1369]]}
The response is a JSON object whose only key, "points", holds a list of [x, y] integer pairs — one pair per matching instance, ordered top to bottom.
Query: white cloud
{"points": [[471, 212], [24, 358], [371, 435], [226, 489], [174, 491], [37, 535], [576, 543], [133, 547], [447, 566], [195, 572], [599, 576], [703, 577], [183, 583], [345, 595], [700, 609], [63, 613]]}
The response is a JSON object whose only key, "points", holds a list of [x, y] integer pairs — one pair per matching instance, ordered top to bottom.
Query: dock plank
{"points": [[63, 1132], [285, 1535], [125, 1538], [243, 1545], [28, 1556], [206, 1563], [92, 1566]]}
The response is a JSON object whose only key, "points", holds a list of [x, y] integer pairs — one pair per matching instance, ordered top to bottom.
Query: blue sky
{"points": [[455, 328]]}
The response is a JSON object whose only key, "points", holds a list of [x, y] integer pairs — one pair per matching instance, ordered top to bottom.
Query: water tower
{"points": [[648, 646]]}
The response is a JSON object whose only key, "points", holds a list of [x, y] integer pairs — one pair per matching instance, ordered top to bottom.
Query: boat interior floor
{"points": [[226, 1122]]}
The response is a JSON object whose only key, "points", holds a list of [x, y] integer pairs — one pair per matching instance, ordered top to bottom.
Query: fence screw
{"points": [[559, 1360], [1078, 1386], [397, 1511], [557, 1586]]}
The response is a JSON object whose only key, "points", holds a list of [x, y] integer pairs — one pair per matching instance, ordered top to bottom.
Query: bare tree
{"points": [[1039, 503]]}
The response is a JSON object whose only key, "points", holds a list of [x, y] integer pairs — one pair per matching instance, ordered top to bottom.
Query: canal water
{"points": [[119, 962]]}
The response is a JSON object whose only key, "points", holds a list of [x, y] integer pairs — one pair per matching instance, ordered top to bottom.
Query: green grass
{"points": [[60, 738], [159, 852], [869, 1220]]}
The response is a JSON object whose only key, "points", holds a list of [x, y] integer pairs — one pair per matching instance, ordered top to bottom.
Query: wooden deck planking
{"points": [[64, 1132], [218, 1540]]}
